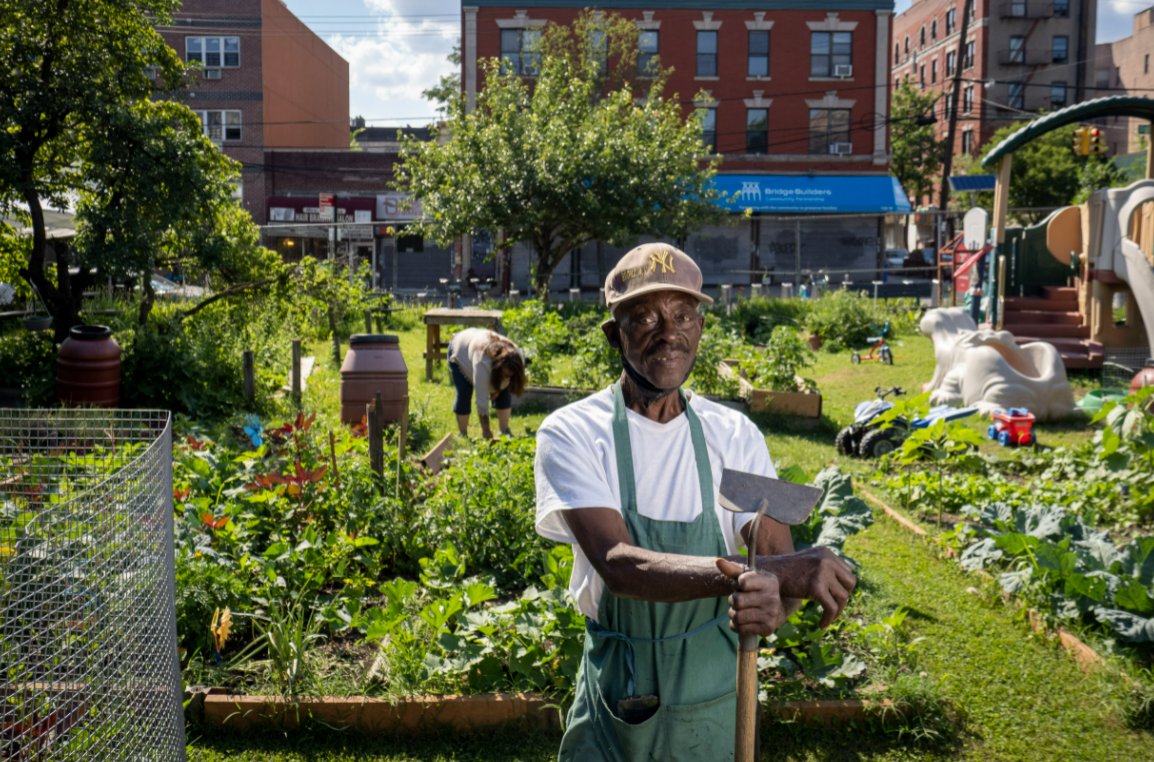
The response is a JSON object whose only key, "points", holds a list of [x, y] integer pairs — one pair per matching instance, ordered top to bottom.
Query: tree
{"points": [[447, 91], [77, 122], [584, 151], [917, 151], [1046, 174]]}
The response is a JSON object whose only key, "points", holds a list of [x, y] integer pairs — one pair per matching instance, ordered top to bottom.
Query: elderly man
{"points": [[629, 476]]}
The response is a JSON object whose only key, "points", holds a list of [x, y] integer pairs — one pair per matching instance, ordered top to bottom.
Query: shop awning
{"points": [[806, 194]]}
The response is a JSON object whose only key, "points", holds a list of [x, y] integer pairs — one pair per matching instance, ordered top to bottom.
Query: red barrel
{"points": [[374, 365], [88, 367]]}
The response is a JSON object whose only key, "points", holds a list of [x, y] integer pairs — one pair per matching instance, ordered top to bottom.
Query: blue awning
{"points": [[804, 194]]}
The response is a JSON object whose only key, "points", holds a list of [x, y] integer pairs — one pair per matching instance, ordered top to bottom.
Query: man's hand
{"points": [[814, 573], [755, 608]]}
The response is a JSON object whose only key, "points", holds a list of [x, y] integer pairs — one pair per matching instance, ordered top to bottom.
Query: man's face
{"points": [[658, 334]]}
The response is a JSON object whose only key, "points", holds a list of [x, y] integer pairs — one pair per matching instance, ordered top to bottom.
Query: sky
{"points": [[398, 48]]}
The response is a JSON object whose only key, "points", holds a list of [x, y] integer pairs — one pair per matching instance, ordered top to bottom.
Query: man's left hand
{"points": [[755, 607]]}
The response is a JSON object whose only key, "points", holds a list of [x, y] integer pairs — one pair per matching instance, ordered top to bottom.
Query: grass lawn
{"points": [[1011, 694]]}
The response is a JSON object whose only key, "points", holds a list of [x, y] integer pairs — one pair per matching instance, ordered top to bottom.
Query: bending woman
{"points": [[489, 366]]}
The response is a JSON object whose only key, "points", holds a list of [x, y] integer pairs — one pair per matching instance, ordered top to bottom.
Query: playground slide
{"points": [[1128, 261], [1140, 275]]}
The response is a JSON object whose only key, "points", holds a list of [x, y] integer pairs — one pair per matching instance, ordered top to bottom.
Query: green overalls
{"points": [[682, 653]]}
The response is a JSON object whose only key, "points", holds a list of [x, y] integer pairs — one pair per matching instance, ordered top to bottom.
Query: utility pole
{"points": [[948, 160]]}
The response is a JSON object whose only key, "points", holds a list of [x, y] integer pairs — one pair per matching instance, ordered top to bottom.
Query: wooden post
{"points": [[368, 321], [296, 373], [249, 377], [402, 440], [376, 442]]}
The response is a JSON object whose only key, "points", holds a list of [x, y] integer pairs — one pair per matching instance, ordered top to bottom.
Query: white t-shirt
{"points": [[576, 467]]}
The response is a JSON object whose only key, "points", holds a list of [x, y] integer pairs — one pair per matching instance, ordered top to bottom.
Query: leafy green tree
{"points": [[447, 91], [77, 123], [584, 151], [917, 151], [1046, 173]]}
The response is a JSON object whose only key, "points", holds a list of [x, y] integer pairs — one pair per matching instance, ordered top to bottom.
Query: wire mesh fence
{"points": [[88, 661]]}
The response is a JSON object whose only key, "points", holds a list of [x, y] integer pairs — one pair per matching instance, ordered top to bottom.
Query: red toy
{"points": [[1012, 427]]}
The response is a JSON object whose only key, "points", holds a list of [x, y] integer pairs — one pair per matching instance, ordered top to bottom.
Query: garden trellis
{"points": [[88, 661]]}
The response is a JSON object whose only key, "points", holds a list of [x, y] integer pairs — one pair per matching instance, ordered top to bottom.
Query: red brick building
{"points": [[1020, 58], [267, 83], [796, 104]]}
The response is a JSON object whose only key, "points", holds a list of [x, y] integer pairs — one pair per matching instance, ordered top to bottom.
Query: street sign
{"points": [[325, 202]]}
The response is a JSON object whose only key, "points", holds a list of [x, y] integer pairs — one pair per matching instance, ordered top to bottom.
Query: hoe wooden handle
{"points": [[745, 749]]}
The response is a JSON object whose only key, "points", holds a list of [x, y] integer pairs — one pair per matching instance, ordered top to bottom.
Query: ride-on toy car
{"points": [[1014, 426], [849, 438]]}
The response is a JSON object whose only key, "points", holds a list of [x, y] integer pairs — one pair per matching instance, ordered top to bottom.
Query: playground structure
{"points": [[1061, 281]]}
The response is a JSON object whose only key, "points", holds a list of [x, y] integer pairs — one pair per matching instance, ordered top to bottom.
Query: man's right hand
{"points": [[815, 573]]}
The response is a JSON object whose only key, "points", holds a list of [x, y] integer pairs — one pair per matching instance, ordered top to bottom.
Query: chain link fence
{"points": [[88, 661]]}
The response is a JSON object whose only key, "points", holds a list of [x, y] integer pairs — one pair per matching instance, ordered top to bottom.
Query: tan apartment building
{"points": [[1019, 58], [1125, 67], [266, 82]]}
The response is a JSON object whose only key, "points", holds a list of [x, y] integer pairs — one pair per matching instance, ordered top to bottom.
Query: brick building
{"points": [[1019, 58], [1125, 67], [267, 83], [796, 103]]}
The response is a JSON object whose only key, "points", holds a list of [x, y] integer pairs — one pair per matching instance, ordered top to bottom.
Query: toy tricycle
{"points": [[879, 349], [1014, 426]]}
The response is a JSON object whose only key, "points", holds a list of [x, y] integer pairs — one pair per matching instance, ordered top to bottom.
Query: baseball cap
{"points": [[653, 267]]}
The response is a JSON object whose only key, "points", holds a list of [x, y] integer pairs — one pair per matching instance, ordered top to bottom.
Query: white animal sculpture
{"points": [[989, 370]]}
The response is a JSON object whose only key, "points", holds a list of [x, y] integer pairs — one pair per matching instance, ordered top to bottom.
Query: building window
{"points": [[1017, 8], [1062, 8], [951, 20], [934, 29], [922, 37], [599, 43], [907, 47], [1017, 49], [1060, 49], [829, 50], [521, 51], [213, 52], [647, 52], [707, 53], [758, 53], [897, 54], [968, 60], [951, 63], [1146, 64], [934, 72], [922, 75], [1017, 96], [1058, 97], [967, 99], [947, 109], [221, 126], [828, 126], [709, 127], [757, 130], [967, 141]]}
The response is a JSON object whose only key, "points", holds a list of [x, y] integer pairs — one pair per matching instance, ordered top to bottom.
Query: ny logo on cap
{"points": [[662, 259]]}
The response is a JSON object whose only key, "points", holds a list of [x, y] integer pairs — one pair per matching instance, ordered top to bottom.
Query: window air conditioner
{"points": [[843, 71], [212, 73], [840, 149]]}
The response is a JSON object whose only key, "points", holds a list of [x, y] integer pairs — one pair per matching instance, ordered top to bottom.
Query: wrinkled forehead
{"points": [[656, 300]]}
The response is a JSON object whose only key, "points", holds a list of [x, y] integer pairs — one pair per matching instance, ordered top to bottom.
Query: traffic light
{"points": [[1082, 141], [1096, 144]]}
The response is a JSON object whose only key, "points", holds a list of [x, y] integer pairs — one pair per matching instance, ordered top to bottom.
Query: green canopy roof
{"points": [[1115, 105]]}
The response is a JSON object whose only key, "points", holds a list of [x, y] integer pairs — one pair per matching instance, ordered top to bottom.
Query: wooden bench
{"points": [[435, 349]]}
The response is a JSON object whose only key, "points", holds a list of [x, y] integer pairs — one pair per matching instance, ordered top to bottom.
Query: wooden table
{"points": [[435, 349]]}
